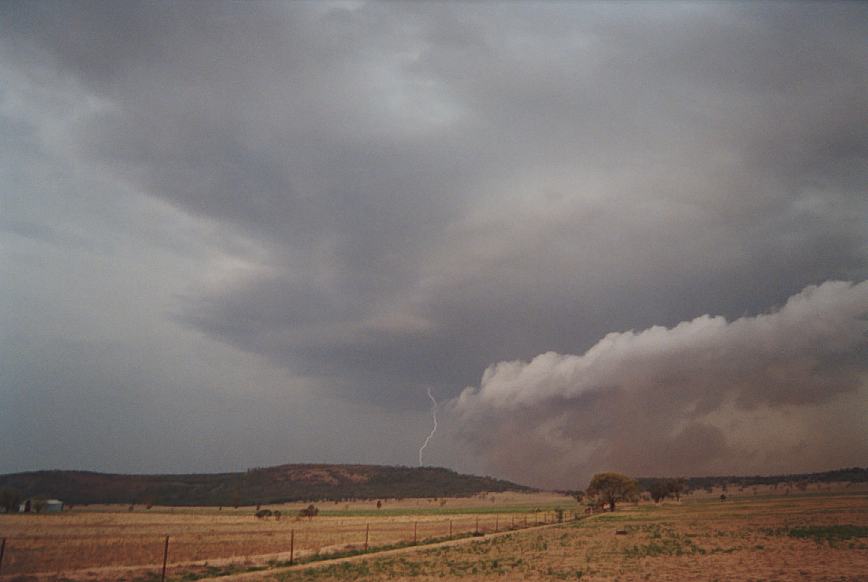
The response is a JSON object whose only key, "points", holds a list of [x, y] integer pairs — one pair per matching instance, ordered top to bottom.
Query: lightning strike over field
{"points": [[433, 429]]}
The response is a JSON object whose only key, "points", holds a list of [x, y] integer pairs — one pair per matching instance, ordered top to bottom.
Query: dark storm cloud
{"points": [[432, 187]]}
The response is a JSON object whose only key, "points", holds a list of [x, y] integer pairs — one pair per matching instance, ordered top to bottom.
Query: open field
{"points": [[812, 535], [807, 537], [132, 542]]}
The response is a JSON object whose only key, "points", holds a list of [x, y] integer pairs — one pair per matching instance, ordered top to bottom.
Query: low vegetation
{"points": [[799, 481], [829, 533]]}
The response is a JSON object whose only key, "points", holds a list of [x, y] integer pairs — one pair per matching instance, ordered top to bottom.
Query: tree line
{"points": [[611, 488]]}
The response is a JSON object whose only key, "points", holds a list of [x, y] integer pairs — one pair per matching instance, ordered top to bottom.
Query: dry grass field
{"points": [[817, 536], [128, 545]]}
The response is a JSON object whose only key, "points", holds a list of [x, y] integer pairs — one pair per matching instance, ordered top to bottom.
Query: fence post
{"points": [[525, 520], [496, 522], [477, 525], [450, 528], [367, 531], [414, 531], [291, 545], [2, 551], [165, 559]]}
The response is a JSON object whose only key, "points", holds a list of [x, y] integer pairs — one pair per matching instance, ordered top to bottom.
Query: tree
{"points": [[613, 487], [676, 487], [659, 490], [10, 499], [309, 512]]}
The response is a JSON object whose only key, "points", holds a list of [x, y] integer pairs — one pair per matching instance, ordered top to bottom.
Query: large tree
{"points": [[613, 487], [659, 490]]}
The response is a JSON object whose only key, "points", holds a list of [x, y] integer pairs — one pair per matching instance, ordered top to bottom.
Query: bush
{"points": [[10, 499], [309, 512]]}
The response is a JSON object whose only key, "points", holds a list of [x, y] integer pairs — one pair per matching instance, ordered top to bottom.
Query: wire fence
{"points": [[286, 541]]}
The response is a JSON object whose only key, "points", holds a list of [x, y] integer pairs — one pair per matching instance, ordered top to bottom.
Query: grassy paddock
{"points": [[814, 535], [805, 537], [230, 539]]}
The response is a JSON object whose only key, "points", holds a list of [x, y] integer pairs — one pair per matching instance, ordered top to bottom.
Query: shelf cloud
{"points": [[664, 398]]}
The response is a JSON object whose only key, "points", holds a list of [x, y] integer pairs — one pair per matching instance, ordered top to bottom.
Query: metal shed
{"points": [[32, 505]]}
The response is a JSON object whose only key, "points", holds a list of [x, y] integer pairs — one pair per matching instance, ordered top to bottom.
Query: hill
{"points": [[851, 475], [283, 483]]}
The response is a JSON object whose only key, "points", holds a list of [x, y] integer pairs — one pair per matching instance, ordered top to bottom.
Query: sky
{"points": [[604, 236]]}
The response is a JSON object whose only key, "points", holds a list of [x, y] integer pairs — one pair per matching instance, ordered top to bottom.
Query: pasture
{"points": [[756, 534], [812, 536], [114, 542]]}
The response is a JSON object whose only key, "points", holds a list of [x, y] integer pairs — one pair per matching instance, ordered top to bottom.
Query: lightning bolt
{"points": [[433, 430]]}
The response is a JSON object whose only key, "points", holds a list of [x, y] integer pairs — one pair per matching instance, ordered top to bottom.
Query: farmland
{"points": [[756, 534], [822, 536], [130, 541]]}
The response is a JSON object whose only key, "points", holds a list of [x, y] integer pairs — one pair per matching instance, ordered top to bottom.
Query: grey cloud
{"points": [[426, 188], [651, 400]]}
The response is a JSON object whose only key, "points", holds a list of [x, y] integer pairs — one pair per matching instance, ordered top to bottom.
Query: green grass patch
{"points": [[530, 510], [828, 533], [664, 541], [409, 568]]}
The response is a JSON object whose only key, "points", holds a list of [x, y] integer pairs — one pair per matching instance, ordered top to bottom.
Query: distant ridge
{"points": [[851, 474], [283, 483]]}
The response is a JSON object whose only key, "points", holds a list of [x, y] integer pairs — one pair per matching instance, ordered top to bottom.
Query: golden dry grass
{"points": [[111, 536], [821, 536], [748, 537]]}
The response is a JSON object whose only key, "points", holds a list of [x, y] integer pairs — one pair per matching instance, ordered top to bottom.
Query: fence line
{"points": [[390, 532]]}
